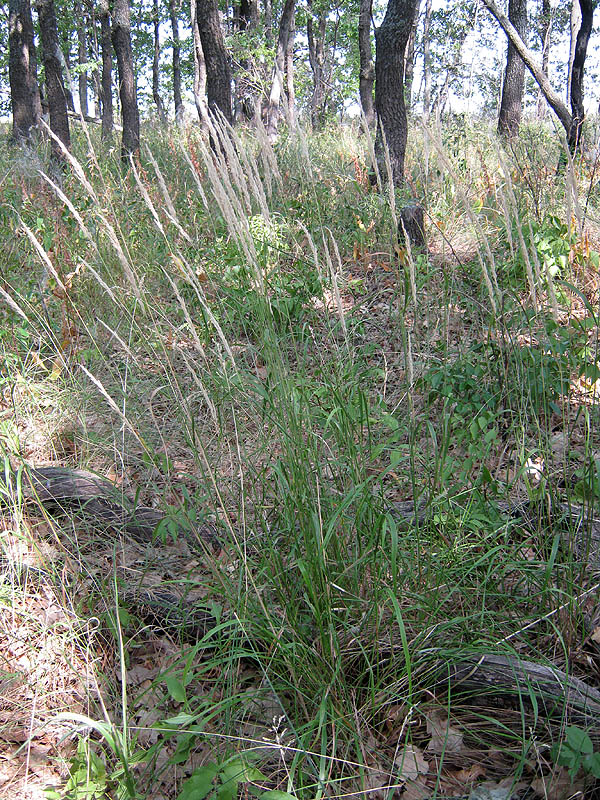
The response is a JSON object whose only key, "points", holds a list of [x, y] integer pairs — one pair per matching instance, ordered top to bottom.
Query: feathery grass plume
{"points": [[368, 138], [146, 198], [512, 202], [171, 212], [488, 267]]}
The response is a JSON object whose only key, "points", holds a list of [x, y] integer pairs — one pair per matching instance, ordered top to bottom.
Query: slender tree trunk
{"points": [[173, 13], [268, 13], [575, 25], [544, 33], [583, 37], [121, 39], [391, 39], [95, 55], [316, 56], [82, 57], [409, 59], [427, 60], [65, 62], [156, 63], [367, 68], [22, 69], [199, 69], [218, 74], [289, 77], [106, 93], [553, 99], [57, 104], [511, 105], [273, 111]]}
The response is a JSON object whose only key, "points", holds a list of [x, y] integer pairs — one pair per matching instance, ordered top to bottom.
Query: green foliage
{"points": [[577, 753], [222, 781]]}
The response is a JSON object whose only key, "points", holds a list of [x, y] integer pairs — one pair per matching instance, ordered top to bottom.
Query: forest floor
{"points": [[243, 342]]}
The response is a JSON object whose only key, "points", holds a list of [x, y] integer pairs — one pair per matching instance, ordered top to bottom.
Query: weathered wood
{"points": [[412, 225], [64, 489], [553, 689]]}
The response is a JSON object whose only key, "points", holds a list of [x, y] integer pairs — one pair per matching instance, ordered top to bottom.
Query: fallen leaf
{"points": [[595, 637], [444, 738], [410, 763], [558, 786], [417, 790]]}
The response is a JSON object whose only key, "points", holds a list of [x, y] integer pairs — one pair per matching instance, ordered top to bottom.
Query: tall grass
{"points": [[226, 357]]}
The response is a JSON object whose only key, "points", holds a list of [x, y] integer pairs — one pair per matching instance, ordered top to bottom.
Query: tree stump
{"points": [[412, 225]]}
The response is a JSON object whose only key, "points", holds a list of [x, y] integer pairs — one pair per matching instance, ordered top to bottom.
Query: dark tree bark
{"points": [[173, 14], [247, 14], [574, 25], [583, 37], [121, 39], [391, 39], [316, 56], [82, 57], [409, 59], [156, 63], [367, 68], [22, 69], [199, 69], [218, 74], [55, 92], [106, 92], [554, 100], [511, 105], [273, 110]]}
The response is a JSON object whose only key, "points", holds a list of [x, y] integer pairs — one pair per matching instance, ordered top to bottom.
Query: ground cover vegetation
{"points": [[238, 339], [292, 504]]}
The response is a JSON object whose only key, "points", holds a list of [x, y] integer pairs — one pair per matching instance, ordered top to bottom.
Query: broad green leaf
{"points": [[176, 688]]}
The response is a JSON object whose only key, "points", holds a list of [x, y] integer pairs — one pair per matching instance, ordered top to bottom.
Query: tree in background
{"points": [[174, 18], [285, 27], [583, 37], [121, 39], [391, 39], [316, 55], [82, 57], [156, 63], [22, 68], [366, 68], [218, 74], [106, 82], [55, 90], [511, 105]]}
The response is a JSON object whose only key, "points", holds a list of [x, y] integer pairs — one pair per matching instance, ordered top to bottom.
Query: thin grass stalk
{"points": [[146, 198], [171, 212], [524, 251], [487, 267]]}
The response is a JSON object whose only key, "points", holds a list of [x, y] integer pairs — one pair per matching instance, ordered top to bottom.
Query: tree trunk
{"points": [[268, 11], [173, 13], [574, 25], [544, 33], [583, 37], [121, 39], [391, 39], [95, 54], [316, 56], [82, 57], [409, 59], [427, 60], [65, 62], [156, 63], [367, 68], [22, 69], [199, 69], [218, 74], [289, 77], [106, 93], [553, 99], [57, 103], [511, 105], [273, 110]]}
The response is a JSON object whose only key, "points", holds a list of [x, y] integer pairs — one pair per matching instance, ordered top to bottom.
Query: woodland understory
{"points": [[232, 332]]}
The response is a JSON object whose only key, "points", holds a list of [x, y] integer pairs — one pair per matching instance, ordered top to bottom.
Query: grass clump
{"points": [[397, 457]]}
